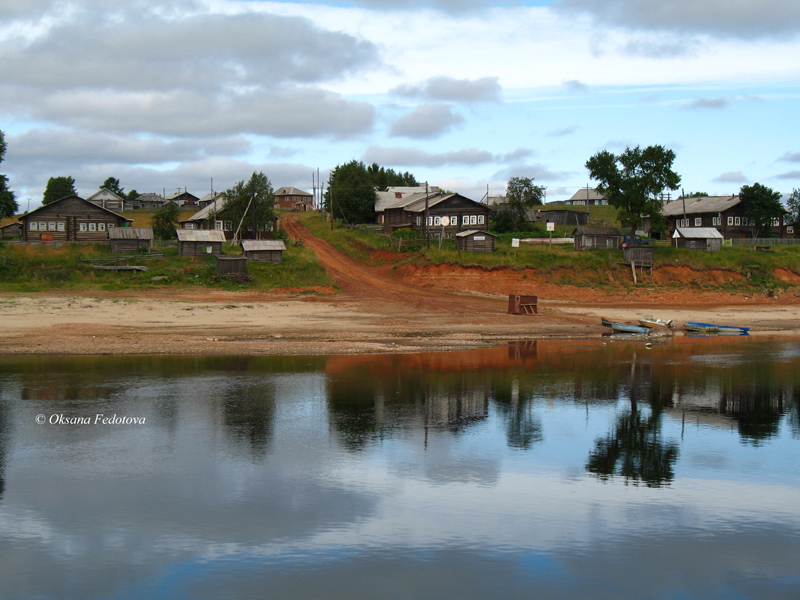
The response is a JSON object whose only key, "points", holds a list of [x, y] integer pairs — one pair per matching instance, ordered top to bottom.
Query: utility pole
{"points": [[427, 236]]}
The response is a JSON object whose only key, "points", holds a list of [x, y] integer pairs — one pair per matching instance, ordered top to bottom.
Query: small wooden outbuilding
{"points": [[11, 230], [587, 237], [130, 239], [704, 239], [473, 240], [193, 242], [264, 250], [232, 265]]}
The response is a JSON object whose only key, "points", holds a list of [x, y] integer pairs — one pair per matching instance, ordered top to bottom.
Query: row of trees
{"points": [[8, 205]]}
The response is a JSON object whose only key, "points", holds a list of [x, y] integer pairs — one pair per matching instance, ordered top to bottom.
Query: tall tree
{"points": [[382, 178], [633, 182], [112, 185], [57, 188], [351, 194], [522, 195], [253, 200], [761, 205], [8, 206], [164, 221]]}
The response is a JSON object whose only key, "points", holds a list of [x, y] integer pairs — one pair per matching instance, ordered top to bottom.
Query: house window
{"points": [[473, 219], [480, 219], [465, 220], [730, 220], [419, 221], [430, 221], [437, 221], [698, 221], [738, 221], [776, 222], [110, 225], [219, 225], [228, 225], [33, 226], [51, 226], [61, 226], [92, 226], [82, 227], [101, 227], [790, 229]]}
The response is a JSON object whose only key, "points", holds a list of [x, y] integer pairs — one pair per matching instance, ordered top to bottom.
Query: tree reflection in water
{"points": [[634, 449]]}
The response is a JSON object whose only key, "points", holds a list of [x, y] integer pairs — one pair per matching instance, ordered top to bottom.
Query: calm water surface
{"points": [[537, 470]]}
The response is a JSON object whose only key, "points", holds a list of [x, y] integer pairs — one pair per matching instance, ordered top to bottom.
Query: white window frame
{"points": [[465, 219], [480, 219], [473, 220], [730, 220], [437, 221], [698, 221], [737, 221], [110, 225], [219, 225], [33, 226], [51, 226], [61, 226], [92, 226], [83, 227], [101, 227], [790, 229]]}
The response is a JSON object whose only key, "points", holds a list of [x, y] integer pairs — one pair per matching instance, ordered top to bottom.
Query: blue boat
{"points": [[624, 327], [696, 327]]}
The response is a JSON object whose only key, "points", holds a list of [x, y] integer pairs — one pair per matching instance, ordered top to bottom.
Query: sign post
{"points": [[551, 227], [515, 245]]}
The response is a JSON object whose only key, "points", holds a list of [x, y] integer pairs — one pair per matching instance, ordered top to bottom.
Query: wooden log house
{"points": [[70, 219]]}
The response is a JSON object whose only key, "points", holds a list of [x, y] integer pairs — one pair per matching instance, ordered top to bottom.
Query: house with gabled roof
{"points": [[394, 194], [587, 197], [291, 198], [107, 199], [724, 213], [447, 214], [215, 216], [70, 219]]}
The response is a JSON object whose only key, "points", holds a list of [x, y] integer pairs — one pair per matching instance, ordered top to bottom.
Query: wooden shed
{"points": [[70, 219], [13, 229], [587, 237], [130, 239], [704, 239], [473, 240], [192, 242], [264, 250], [232, 265]]}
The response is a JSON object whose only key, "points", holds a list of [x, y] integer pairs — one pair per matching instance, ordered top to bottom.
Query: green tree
{"points": [[383, 178], [633, 182], [112, 185], [57, 188], [351, 194], [522, 195], [131, 196], [252, 200], [761, 205], [8, 206], [793, 206], [164, 221]]}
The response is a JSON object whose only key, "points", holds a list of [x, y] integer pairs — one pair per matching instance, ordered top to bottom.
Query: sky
{"points": [[464, 94]]}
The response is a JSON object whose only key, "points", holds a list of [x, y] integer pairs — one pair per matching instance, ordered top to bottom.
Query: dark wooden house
{"points": [[724, 213], [447, 214], [216, 216], [562, 217], [70, 219], [13, 229], [587, 237], [130, 239], [704, 239], [473, 240], [195, 242], [264, 250]]}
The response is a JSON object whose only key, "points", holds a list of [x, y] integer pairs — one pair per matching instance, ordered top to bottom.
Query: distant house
{"points": [[395, 194], [587, 197], [209, 198], [291, 198], [107, 199], [184, 199], [147, 202], [723, 213], [448, 214], [215, 216], [70, 219], [596, 237], [130, 239], [705, 239], [473, 240], [193, 243], [264, 250]]}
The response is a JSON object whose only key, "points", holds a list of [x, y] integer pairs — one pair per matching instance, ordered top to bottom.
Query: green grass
{"points": [[41, 268]]}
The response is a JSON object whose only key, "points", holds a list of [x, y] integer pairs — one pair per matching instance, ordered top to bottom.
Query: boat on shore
{"points": [[653, 323], [624, 327], [695, 327]]}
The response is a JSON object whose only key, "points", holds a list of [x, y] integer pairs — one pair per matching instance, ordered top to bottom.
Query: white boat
{"points": [[652, 323]]}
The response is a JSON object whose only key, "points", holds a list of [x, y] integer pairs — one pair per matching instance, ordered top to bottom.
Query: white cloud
{"points": [[485, 89], [426, 122], [414, 157], [732, 177]]}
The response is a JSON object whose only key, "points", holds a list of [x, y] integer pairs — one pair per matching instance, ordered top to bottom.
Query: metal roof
{"points": [[290, 191], [92, 204], [700, 204], [202, 214], [585, 230], [471, 231], [130, 233], [705, 233], [200, 235], [257, 245]]}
